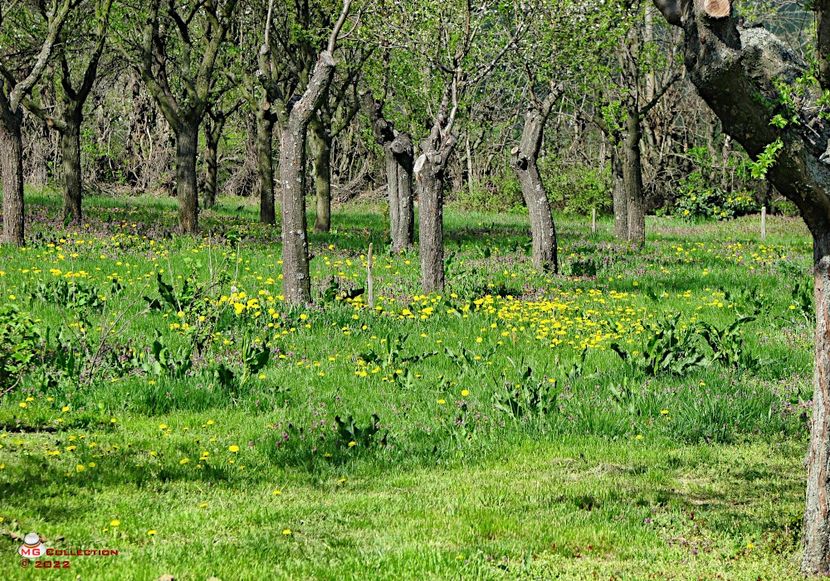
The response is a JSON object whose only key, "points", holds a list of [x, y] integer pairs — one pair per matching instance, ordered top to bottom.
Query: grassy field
{"points": [[642, 416]]}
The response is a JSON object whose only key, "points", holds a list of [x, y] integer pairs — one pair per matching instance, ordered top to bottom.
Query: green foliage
{"points": [[577, 189], [697, 198], [76, 295], [21, 339], [728, 346], [670, 348], [162, 360], [526, 397], [352, 434]]}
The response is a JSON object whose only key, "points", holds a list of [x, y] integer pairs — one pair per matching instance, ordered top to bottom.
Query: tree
{"points": [[455, 45], [563, 47], [24, 54], [177, 57], [746, 76], [69, 117], [217, 117], [399, 158], [296, 276]]}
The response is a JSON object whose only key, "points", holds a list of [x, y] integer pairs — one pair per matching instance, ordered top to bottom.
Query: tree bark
{"points": [[737, 72], [213, 134], [70, 138], [187, 139], [399, 157], [265, 162], [399, 163], [525, 164], [321, 165], [11, 168], [430, 179], [633, 180], [618, 193], [296, 277], [816, 517]]}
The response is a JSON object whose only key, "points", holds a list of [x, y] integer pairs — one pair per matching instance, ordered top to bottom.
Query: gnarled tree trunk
{"points": [[737, 72], [213, 134], [187, 140], [399, 158], [525, 163], [321, 165], [11, 168]]}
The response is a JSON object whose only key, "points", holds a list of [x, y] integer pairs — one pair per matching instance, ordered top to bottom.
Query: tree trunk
{"points": [[737, 72], [213, 134], [187, 139], [321, 149], [524, 160], [399, 161], [265, 163], [11, 168], [72, 175], [430, 180], [633, 180], [619, 196], [296, 279], [817, 513]]}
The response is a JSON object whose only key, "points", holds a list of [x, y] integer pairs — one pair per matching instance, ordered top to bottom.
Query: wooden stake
{"points": [[593, 220], [764, 223], [370, 283]]}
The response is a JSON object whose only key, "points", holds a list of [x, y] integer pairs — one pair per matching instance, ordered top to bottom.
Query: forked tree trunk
{"points": [[738, 72], [187, 140], [70, 141], [399, 156], [265, 162], [525, 164], [321, 165], [11, 168], [430, 179], [633, 180], [619, 196]]}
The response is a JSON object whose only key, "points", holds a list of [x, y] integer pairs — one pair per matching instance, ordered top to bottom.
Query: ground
{"points": [[172, 407]]}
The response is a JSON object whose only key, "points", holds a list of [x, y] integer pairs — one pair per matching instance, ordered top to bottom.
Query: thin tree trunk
{"points": [[213, 134], [70, 139], [187, 139], [321, 149], [265, 163], [525, 164], [11, 168], [430, 179], [633, 180], [619, 196], [817, 513]]}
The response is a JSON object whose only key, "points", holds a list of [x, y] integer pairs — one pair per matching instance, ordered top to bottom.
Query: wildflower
{"points": [[465, 392], [352, 444], [233, 448], [114, 523], [152, 532], [286, 532]]}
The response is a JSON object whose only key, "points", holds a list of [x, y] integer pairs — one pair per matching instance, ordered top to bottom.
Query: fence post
{"points": [[763, 224]]}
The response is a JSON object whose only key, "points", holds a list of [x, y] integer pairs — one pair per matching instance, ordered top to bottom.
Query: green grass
{"points": [[608, 471]]}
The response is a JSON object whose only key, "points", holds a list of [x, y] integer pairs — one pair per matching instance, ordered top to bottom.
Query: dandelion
{"points": [[465, 392], [23, 405], [352, 444], [233, 448], [276, 492], [115, 523], [151, 532], [286, 532]]}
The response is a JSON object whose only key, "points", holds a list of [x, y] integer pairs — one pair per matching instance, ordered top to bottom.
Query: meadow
{"points": [[641, 416]]}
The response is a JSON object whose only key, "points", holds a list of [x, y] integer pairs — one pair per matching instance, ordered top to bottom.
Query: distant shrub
{"points": [[575, 190], [697, 199]]}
